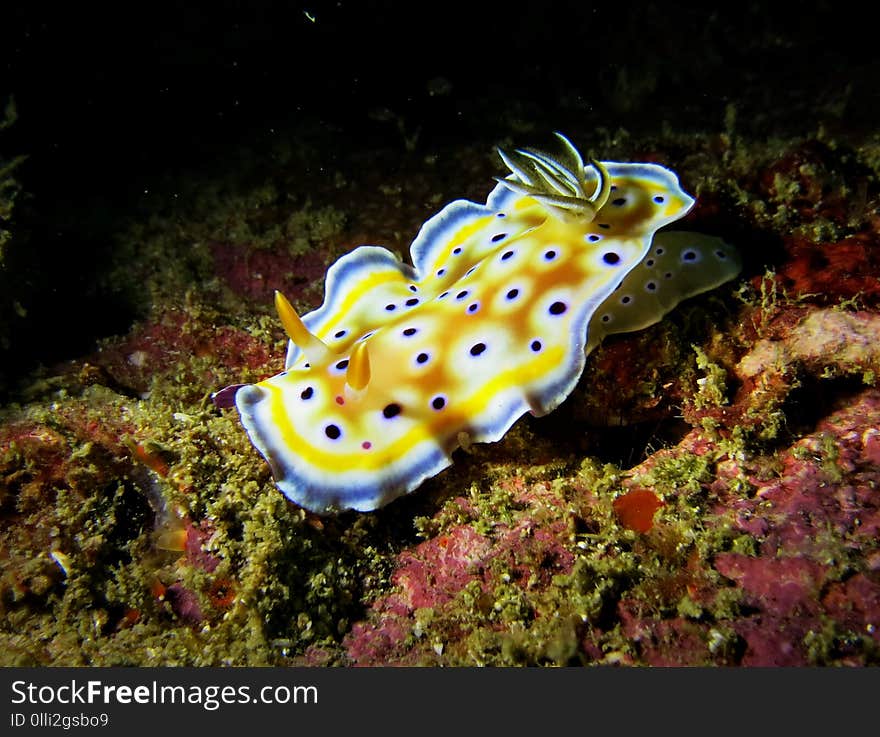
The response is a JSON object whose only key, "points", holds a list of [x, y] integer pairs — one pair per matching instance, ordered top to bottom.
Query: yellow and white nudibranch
{"points": [[401, 364]]}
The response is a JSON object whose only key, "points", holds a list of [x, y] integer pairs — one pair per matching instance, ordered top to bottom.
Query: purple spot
{"points": [[611, 258], [225, 397], [184, 603]]}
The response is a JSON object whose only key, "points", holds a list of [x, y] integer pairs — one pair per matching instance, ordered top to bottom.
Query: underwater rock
{"points": [[828, 272], [255, 274], [848, 342], [169, 345], [819, 519], [516, 555], [460, 575]]}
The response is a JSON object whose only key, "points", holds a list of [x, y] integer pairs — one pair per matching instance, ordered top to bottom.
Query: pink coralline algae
{"points": [[845, 269], [257, 273], [847, 341], [169, 344], [822, 511], [436, 576], [184, 603], [668, 642]]}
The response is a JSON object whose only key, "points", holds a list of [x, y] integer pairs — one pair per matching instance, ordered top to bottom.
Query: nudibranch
{"points": [[401, 364]]}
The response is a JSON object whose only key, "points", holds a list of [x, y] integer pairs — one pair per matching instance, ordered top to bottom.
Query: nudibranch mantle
{"points": [[403, 364]]}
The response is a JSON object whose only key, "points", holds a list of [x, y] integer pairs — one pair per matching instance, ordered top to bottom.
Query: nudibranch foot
{"points": [[401, 365]]}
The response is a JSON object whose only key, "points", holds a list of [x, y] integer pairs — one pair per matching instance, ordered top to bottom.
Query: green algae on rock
{"points": [[10, 189], [518, 557]]}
